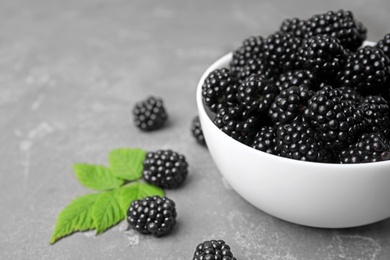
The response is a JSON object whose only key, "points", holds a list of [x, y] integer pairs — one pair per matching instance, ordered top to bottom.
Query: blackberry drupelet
{"points": [[341, 25], [295, 27], [384, 45], [251, 49], [280, 53], [323, 54], [366, 70], [296, 78], [219, 89], [256, 93], [289, 104], [376, 112], [150, 114], [337, 121], [237, 123], [196, 130], [265, 140], [298, 141], [370, 147], [165, 168], [152, 215], [213, 250]]}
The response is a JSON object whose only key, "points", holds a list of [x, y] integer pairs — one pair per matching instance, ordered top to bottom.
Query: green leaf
{"points": [[127, 163], [96, 177], [136, 191], [106, 211], [75, 217]]}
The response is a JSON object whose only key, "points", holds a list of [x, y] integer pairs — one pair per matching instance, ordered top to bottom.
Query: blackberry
{"points": [[341, 25], [295, 27], [384, 45], [251, 49], [280, 52], [323, 54], [255, 67], [366, 70], [296, 78], [219, 89], [256, 93], [350, 95], [289, 104], [376, 112], [150, 114], [337, 121], [237, 123], [196, 130], [265, 140], [298, 141], [371, 147], [165, 168], [152, 215], [213, 250]]}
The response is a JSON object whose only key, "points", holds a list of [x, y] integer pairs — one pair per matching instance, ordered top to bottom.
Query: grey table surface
{"points": [[70, 73]]}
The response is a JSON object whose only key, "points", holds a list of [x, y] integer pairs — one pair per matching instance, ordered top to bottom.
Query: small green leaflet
{"points": [[127, 163], [96, 177], [136, 191], [106, 211], [75, 217]]}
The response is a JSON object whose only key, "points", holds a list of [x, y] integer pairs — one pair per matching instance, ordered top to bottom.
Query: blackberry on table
{"points": [[341, 25], [384, 45], [251, 49], [280, 52], [323, 54], [366, 70], [296, 78], [219, 89], [256, 93], [289, 104], [376, 112], [150, 114], [337, 121], [196, 130], [265, 140], [297, 140], [370, 147], [165, 168], [152, 215], [213, 250]]}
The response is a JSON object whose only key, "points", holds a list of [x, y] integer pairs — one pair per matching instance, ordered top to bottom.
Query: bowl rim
{"points": [[223, 62]]}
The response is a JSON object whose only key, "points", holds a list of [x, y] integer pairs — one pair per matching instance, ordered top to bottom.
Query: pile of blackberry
{"points": [[313, 91]]}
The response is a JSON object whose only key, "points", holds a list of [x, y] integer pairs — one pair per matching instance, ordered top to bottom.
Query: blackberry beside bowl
{"points": [[313, 194]]}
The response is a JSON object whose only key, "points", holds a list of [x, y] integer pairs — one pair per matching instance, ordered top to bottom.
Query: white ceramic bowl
{"points": [[306, 193]]}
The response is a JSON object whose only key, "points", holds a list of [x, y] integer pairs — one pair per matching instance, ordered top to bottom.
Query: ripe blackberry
{"points": [[341, 25], [295, 27], [384, 45], [251, 49], [280, 52], [323, 54], [255, 67], [366, 70], [296, 78], [219, 89], [256, 93], [350, 95], [289, 104], [376, 112], [149, 114], [337, 121], [237, 123], [196, 130], [265, 140], [298, 141], [371, 147], [165, 168], [152, 215], [213, 250]]}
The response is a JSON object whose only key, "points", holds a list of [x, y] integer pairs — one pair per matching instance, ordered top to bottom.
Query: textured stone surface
{"points": [[70, 72]]}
